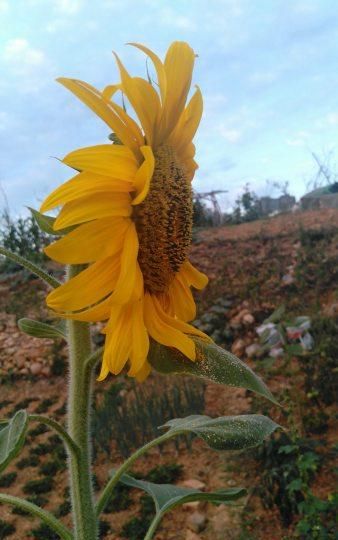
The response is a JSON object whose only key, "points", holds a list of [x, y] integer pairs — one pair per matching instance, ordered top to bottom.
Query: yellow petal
{"points": [[178, 65], [161, 75], [110, 90], [94, 100], [144, 100], [188, 123], [113, 160], [144, 175], [83, 184], [99, 205], [90, 242], [194, 277], [126, 281], [87, 288], [182, 299], [98, 312], [162, 329], [140, 340], [118, 343], [143, 373]]}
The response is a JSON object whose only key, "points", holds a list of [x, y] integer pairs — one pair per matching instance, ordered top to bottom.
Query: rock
{"points": [[288, 279], [331, 310], [248, 318], [238, 347], [253, 350], [276, 352], [20, 360], [35, 368], [46, 371], [193, 483], [194, 505], [223, 521], [197, 522], [192, 536]]}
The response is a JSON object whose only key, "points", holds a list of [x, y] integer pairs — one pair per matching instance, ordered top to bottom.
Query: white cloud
{"points": [[4, 6], [68, 7], [21, 54], [262, 77], [332, 119], [231, 135], [300, 139]]}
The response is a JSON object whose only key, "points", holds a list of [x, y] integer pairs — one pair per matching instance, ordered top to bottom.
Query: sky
{"points": [[267, 70]]}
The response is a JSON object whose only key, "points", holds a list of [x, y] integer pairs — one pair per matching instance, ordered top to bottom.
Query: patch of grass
{"points": [[5, 403], [24, 404], [44, 405], [61, 411], [38, 430], [40, 450], [30, 461], [50, 468], [165, 474], [8, 479], [37, 487], [120, 499], [64, 509], [6, 529], [43, 532]]}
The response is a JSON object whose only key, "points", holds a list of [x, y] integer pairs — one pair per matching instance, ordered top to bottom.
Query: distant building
{"points": [[324, 197], [268, 205]]}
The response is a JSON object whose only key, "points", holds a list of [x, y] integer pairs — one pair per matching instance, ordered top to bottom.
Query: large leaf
{"points": [[40, 329], [213, 363], [225, 432], [12, 438], [166, 496]]}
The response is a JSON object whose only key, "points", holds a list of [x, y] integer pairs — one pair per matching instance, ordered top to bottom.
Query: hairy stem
{"points": [[29, 265], [79, 403], [153, 526]]}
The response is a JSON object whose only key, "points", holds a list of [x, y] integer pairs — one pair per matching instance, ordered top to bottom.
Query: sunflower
{"points": [[129, 210]]}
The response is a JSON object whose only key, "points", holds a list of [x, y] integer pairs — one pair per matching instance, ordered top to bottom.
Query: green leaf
{"points": [[46, 223], [276, 315], [40, 329], [213, 363], [225, 432], [12, 438], [166, 496]]}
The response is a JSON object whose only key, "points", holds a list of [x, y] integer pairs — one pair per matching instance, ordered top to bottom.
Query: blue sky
{"points": [[267, 70]]}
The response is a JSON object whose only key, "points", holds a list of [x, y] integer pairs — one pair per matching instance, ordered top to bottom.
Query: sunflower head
{"points": [[130, 206]]}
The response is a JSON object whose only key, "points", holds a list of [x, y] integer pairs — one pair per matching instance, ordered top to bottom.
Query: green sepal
{"points": [[46, 223], [42, 330], [212, 363], [225, 432], [12, 438], [166, 496]]}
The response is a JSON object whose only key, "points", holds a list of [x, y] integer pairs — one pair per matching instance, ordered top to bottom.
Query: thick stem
{"points": [[79, 402]]}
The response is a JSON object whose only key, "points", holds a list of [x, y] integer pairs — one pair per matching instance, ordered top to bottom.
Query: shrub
{"points": [[30, 461], [8, 479], [37, 487], [6, 529], [43, 532]]}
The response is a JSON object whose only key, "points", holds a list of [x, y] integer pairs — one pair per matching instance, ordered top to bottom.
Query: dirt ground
{"points": [[246, 264]]}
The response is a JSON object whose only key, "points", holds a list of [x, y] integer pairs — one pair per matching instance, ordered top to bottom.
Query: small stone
{"points": [[248, 318], [238, 347], [253, 350], [35, 368], [46, 371], [193, 483], [194, 505], [197, 522], [192, 536]]}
